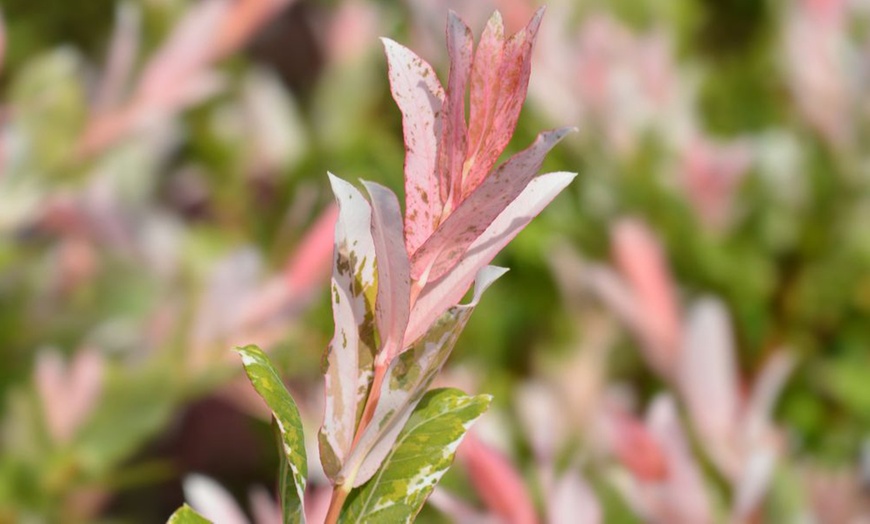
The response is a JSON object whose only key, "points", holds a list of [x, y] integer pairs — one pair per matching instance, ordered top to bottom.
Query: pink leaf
{"points": [[185, 53], [499, 82], [420, 97], [454, 132], [443, 249], [639, 257], [306, 269], [394, 279], [439, 295], [708, 377], [70, 392], [497, 482], [683, 498], [572, 501]]}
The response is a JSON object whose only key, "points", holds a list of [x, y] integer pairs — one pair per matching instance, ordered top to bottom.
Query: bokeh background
{"points": [[163, 197]]}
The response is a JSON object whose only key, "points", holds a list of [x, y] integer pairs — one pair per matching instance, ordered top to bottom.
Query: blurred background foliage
{"points": [[147, 249]]}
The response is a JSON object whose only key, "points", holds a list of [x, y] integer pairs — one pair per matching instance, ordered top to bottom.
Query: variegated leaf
{"points": [[499, 82], [419, 95], [467, 222], [394, 272], [439, 295], [350, 356], [407, 379], [417, 460], [294, 461], [186, 515]]}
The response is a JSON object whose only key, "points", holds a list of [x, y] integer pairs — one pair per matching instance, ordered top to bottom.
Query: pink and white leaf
{"points": [[123, 48], [186, 52], [420, 97], [443, 249], [439, 295], [392, 306], [350, 355], [408, 378], [708, 380], [758, 412], [753, 482], [685, 495], [212, 501], [572, 501]]}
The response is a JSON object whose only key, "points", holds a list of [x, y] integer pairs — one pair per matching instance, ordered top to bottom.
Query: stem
{"points": [[371, 402], [339, 495]]}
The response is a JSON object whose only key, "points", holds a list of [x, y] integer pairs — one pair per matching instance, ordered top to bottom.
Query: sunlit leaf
{"points": [[419, 95], [473, 216], [441, 294], [351, 352], [407, 379], [421, 455], [294, 467], [186, 515]]}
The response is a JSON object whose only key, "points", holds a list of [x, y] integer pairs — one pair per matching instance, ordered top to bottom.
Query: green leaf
{"points": [[420, 457], [294, 463], [186, 515]]}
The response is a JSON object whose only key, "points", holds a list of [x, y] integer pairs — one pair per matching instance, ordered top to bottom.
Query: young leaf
{"points": [[499, 82], [419, 95], [454, 138], [469, 220], [394, 278], [439, 295], [350, 355], [407, 379], [419, 458], [294, 471], [186, 515]]}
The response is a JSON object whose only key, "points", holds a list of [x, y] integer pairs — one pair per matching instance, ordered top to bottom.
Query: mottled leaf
{"points": [[499, 82], [419, 95], [468, 221], [394, 272], [439, 295], [350, 355], [407, 379], [421, 455], [294, 466], [186, 515]]}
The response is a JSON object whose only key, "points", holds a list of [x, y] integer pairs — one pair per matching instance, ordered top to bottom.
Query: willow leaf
{"points": [[408, 377], [421, 455], [294, 463], [186, 515]]}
